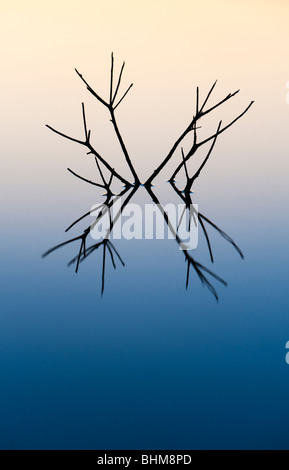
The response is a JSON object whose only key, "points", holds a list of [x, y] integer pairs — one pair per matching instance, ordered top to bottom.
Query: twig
{"points": [[118, 83], [91, 90], [118, 103], [192, 127], [93, 151], [86, 180]]}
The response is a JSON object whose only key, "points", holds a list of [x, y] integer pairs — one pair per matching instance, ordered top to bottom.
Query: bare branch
{"points": [[111, 79], [118, 83], [91, 90], [230, 95], [123, 96], [208, 96], [197, 101], [111, 109], [200, 111], [84, 123], [228, 125], [192, 126], [65, 136], [197, 145], [123, 147], [94, 152], [168, 157], [185, 165], [100, 171], [197, 174], [86, 180], [110, 180], [78, 220], [223, 234], [206, 237], [60, 245], [117, 253], [111, 255], [79, 256], [198, 267], [103, 268]]}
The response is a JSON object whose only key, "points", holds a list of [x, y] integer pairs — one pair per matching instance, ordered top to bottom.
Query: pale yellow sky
{"points": [[170, 47]]}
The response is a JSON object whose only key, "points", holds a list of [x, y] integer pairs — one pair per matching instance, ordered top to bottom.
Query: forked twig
{"points": [[201, 110]]}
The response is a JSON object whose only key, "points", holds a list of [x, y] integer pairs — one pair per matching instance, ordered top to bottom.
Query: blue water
{"points": [[150, 365]]}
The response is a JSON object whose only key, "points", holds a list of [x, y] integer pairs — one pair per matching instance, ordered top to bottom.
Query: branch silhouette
{"points": [[112, 107], [192, 127], [131, 187], [85, 251]]}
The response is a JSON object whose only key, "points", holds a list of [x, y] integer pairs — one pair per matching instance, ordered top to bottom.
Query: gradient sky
{"points": [[169, 47], [149, 365]]}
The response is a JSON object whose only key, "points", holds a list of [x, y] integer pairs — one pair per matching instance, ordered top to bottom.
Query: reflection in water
{"points": [[128, 191]]}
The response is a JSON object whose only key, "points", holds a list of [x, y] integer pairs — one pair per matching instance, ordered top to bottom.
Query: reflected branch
{"points": [[108, 209]]}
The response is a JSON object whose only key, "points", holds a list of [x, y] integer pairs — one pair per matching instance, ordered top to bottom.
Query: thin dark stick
{"points": [[111, 78], [118, 83], [91, 90], [230, 95], [123, 96], [208, 96], [113, 120], [84, 122], [227, 126], [191, 127], [65, 136], [195, 138], [210, 138], [123, 147], [94, 152], [168, 157], [185, 165], [111, 170], [100, 171], [197, 174], [86, 180], [110, 180], [185, 195], [187, 200], [108, 203], [81, 218], [181, 218], [78, 220], [223, 234], [207, 238], [60, 245], [83, 252], [117, 253], [111, 255], [79, 256], [190, 260], [103, 268], [188, 274], [214, 275]]}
